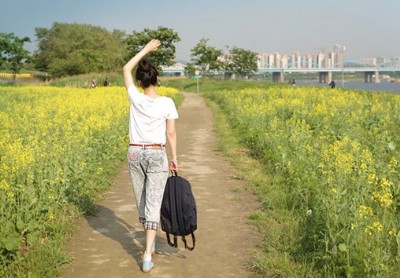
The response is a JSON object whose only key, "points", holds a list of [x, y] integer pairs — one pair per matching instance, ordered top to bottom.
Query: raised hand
{"points": [[152, 45]]}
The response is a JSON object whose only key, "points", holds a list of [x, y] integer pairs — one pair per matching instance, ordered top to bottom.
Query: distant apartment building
{"points": [[277, 60], [295, 60], [318, 60], [332, 60], [262, 61], [271, 61], [284, 61], [369, 61], [388, 61], [307, 62]]}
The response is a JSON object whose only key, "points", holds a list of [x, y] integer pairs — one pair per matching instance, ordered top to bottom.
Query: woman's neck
{"points": [[151, 92]]}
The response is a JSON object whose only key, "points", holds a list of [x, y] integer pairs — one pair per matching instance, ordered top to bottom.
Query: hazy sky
{"points": [[368, 28]]}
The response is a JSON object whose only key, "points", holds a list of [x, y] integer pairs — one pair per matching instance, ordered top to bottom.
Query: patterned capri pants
{"points": [[148, 169]]}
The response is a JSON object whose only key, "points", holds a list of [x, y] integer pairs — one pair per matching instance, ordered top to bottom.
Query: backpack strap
{"points": [[170, 243], [186, 245]]}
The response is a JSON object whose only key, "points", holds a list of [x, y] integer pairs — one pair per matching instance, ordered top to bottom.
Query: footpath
{"points": [[110, 244]]}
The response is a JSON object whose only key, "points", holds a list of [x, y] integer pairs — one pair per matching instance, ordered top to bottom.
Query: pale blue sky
{"points": [[368, 28]]}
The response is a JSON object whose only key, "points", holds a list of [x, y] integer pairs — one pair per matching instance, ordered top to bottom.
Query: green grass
{"points": [[84, 80], [211, 84], [327, 184], [38, 212], [276, 224], [45, 260]]}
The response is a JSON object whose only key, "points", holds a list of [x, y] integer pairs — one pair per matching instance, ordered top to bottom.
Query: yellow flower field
{"points": [[18, 75], [58, 148], [334, 155]]}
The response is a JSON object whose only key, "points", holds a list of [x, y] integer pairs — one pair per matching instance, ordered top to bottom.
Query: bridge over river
{"points": [[371, 73]]}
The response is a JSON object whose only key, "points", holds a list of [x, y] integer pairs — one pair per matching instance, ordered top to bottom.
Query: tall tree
{"points": [[68, 49], [12, 52], [165, 55], [206, 57], [240, 61], [190, 69]]}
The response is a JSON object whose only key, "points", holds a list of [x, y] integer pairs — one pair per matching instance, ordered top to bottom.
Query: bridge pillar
{"points": [[278, 76], [325, 76], [368, 76], [371, 76], [377, 77]]}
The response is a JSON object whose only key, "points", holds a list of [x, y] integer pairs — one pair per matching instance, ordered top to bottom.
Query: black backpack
{"points": [[178, 210]]}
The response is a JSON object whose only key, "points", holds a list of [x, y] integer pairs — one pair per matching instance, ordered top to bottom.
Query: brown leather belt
{"points": [[148, 146]]}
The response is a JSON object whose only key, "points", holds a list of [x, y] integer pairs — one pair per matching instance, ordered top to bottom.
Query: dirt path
{"points": [[111, 243]]}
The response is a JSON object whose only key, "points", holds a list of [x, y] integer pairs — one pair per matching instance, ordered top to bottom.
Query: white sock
{"points": [[147, 257]]}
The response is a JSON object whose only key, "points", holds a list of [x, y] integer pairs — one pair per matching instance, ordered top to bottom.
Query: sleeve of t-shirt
{"points": [[132, 93], [173, 113]]}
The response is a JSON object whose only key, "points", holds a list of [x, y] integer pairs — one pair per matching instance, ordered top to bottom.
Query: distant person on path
{"points": [[106, 83], [93, 84], [332, 84], [151, 122]]}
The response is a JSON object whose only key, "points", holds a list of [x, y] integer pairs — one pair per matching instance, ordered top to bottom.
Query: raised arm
{"points": [[127, 69]]}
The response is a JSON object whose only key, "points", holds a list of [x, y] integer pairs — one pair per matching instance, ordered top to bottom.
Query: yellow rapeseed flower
{"points": [[384, 195], [365, 212]]}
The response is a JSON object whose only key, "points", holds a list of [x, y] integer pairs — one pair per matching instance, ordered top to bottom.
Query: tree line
{"points": [[71, 48]]}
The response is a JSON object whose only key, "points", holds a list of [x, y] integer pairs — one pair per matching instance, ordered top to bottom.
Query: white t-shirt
{"points": [[148, 116]]}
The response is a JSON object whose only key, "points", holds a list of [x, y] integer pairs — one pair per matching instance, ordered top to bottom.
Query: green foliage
{"points": [[70, 49], [12, 52], [165, 55], [206, 57], [240, 61], [190, 69], [84, 80], [211, 84], [59, 149], [333, 157], [42, 189], [275, 223], [45, 259]]}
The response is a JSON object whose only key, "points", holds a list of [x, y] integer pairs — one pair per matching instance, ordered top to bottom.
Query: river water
{"points": [[377, 87]]}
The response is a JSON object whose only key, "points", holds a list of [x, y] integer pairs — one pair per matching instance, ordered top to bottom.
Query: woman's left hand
{"points": [[152, 45], [173, 166]]}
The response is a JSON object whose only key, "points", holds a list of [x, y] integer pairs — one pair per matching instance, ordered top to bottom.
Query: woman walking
{"points": [[151, 122]]}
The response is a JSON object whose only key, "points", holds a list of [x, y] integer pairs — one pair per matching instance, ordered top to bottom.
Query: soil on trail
{"points": [[110, 244]]}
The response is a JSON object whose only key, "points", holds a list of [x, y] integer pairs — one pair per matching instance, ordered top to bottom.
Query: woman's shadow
{"points": [[131, 239]]}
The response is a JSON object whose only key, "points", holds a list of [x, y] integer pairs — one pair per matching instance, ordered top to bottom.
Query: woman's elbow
{"points": [[125, 69], [171, 133]]}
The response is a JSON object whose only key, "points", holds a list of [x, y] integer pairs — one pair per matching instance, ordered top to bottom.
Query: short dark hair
{"points": [[146, 73]]}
